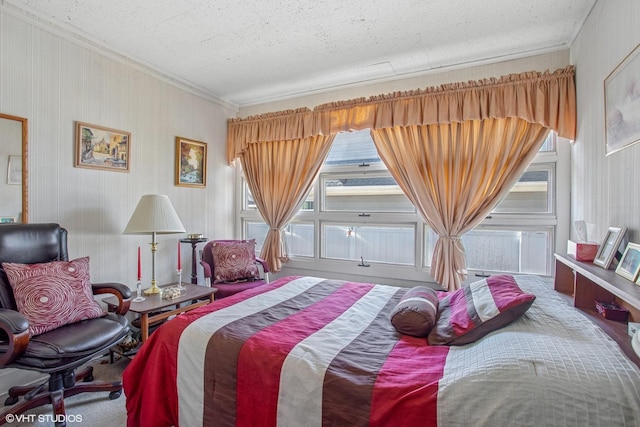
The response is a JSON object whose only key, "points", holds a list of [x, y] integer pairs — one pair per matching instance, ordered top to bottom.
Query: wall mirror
{"points": [[14, 183]]}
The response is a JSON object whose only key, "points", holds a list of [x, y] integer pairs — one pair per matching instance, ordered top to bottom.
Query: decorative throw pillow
{"points": [[234, 260], [53, 294], [474, 310], [416, 312]]}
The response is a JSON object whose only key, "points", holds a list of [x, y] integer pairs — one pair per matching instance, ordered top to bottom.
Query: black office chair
{"points": [[60, 351]]}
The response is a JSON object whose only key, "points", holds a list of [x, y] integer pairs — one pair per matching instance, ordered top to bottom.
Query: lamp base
{"points": [[152, 290]]}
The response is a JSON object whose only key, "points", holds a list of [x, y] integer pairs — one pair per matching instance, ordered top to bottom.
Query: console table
{"points": [[584, 282]]}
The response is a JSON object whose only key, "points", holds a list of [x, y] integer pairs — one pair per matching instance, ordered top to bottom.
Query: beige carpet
{"points": [[86, 409]]}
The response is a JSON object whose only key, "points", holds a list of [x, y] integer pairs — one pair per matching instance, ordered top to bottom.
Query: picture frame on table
{"points": [[622, 104], [99, 147], [191, 163], [609, 247], [629, 264]]}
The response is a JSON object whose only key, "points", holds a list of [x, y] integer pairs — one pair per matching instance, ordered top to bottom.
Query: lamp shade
{"points": [[154, 214]]}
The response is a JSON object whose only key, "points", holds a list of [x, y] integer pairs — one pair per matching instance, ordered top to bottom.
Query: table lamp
{"points": [[154, 215]]}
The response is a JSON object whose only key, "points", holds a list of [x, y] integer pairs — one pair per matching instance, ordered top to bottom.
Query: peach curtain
{"points": [[547, 98], [455, 174], [280, 175]]}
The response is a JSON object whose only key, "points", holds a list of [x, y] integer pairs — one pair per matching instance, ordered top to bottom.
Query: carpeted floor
{"points": [[86, 409]]}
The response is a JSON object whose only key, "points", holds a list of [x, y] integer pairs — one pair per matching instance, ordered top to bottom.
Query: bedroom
{"points": [[96, 206]]}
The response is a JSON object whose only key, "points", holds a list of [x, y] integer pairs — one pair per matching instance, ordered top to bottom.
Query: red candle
{"points": [[179, 265], [139, 269]]}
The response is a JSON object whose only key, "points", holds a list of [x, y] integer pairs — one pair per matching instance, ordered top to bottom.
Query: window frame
{"points": [[556, 160]]}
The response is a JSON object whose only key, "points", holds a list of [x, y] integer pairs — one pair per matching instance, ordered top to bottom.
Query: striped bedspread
{"points": [[306, 351]]}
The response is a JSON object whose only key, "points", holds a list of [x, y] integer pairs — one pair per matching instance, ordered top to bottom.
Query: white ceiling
{"points": [[248, 52]]}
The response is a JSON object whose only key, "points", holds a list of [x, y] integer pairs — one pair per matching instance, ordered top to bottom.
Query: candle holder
{"points": [[182, 288], [139, 297]]}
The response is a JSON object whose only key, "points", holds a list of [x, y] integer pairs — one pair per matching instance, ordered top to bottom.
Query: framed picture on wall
{"points": [[622, 104], [99, 147], [191, 163], [609, 246], [629, 265]]}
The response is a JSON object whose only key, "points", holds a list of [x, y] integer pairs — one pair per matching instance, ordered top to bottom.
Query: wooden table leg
{"points": [[144, 326]]}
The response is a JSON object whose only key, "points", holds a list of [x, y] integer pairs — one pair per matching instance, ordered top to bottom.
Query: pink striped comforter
{"points": [[299, 351], [305, 351]]}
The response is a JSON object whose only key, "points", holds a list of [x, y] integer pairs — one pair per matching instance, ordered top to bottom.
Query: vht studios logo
{"points": [[43, 418]]}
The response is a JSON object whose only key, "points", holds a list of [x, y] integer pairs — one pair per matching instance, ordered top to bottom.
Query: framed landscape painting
{"points": [[622, 104], [99, 147], [191, 163]]}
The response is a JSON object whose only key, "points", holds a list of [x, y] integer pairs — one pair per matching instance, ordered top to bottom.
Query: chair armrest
{"points": [[265, 266], [207, 268], [122, 292], [16, 327]]}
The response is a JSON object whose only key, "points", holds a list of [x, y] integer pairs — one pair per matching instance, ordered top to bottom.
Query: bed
{"points": [[306, 351]]}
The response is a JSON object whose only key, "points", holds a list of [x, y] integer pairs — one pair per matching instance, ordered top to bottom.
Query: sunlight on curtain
{"points": [[455, 174], [280, 175]]}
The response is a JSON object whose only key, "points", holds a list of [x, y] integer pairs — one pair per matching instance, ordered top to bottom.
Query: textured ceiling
{"points": [[247, 52]]}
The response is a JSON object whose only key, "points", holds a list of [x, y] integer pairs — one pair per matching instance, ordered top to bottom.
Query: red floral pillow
{"points": [[234, 260], [53, 294]]}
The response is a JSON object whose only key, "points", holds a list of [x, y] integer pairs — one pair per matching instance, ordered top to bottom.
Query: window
{"points": [[363, 192], [532, 194], [364, 219], [298, 237], [380, 243], [503, 249], [508, 250]]}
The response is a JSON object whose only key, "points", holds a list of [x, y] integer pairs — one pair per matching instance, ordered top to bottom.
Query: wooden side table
{"points": [[194, 259], [151, 309]]}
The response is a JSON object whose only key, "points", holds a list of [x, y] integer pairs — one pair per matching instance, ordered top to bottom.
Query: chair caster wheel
{"points": [[115, 394], [10, 401]]}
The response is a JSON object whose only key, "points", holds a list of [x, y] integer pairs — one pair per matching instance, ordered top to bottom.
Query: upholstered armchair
{"points": [[231, 266], [49, 321]]}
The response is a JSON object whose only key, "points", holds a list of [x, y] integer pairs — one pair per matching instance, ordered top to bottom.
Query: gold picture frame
{"points": [[99, 147], [191, 163]]}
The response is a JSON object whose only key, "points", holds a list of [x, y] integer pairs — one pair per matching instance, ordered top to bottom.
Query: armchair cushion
{"points": [[234, 260], [53, 294], [47, 351]]}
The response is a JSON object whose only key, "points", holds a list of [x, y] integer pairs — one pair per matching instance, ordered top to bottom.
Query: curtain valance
{"points": [[547, 98]]}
